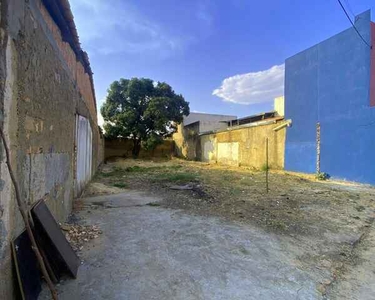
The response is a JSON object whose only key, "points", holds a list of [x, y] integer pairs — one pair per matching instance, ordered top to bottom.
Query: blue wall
{"points": [[330, 83]]}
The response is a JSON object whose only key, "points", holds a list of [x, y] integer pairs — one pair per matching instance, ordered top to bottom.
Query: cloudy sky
{"points": [[224, 56]]}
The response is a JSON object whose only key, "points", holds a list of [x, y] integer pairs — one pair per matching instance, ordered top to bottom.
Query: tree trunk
{"points": [[136, 147]]}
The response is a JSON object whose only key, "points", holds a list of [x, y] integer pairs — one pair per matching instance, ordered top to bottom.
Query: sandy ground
{"points": [[199, 231], [149, 252], [358, 282]]}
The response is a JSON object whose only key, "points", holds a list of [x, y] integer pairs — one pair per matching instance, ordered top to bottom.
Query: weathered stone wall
{"points": [[75, 67], [40, 96], [186, 141], [244, 146], [123, 148]]}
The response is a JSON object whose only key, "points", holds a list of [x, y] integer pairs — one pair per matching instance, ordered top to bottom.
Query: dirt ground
{"points": [[326, 219], [147, 251]]}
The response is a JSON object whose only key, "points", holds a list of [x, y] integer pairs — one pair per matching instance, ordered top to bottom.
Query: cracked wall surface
{"points": [[40, 97]]}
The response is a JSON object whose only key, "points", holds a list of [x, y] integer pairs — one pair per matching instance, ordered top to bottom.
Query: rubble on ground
{"points": [[78, 235]]}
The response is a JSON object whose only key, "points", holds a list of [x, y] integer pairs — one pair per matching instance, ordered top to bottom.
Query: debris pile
{"points": [[77, 235]]}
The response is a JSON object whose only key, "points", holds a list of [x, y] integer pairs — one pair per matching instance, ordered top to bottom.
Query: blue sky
{"points": [[224, 57]]}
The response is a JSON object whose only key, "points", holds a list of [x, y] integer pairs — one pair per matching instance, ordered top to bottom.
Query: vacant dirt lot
{"points": [[325, 220], [323, 229]]}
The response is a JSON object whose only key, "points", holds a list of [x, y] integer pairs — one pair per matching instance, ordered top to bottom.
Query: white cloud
{"points": [[108, 27], [254, 87]]}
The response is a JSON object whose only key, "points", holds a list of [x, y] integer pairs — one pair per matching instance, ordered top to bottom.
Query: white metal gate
{"points": [[84, 153]]}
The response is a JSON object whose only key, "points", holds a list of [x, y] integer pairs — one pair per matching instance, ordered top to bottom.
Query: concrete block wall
{"points": [[75, 67], [329, 84], [40, 97], [186, 141], [244, 146], [123, 148]]}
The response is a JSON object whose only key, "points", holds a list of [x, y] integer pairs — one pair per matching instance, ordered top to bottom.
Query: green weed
{"points": [[140, 169], [321, 176], [182, 177], [121, 185]]}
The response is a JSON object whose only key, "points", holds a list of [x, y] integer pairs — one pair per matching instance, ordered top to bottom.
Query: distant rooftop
{"points": [[203, 117], [252, 118]]}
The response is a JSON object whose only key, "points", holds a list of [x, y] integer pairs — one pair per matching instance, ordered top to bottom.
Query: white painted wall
{"points": [[279, 105]]}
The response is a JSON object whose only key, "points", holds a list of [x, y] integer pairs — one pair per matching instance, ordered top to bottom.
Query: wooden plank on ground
{"points": [[60, 254], [55, 278]]}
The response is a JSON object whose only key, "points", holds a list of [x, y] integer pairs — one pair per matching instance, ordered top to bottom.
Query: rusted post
{"points": [[318, 148]]}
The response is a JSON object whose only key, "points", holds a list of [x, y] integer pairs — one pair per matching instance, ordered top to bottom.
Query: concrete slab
{"points": [[128, 199], [155, 253]]}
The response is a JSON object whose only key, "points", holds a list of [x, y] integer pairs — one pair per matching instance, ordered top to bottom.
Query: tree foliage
{"points": [[142, 110]]}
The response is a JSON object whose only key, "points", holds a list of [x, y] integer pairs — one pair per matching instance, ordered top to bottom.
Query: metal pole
{"points": [[318, 148], [267, 164]]}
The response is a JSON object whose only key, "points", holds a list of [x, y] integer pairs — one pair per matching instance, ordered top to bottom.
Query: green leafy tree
{"points": [[142, 110]]}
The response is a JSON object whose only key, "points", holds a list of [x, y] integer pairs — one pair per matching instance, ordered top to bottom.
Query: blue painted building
{"points": [[332, 85]]}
